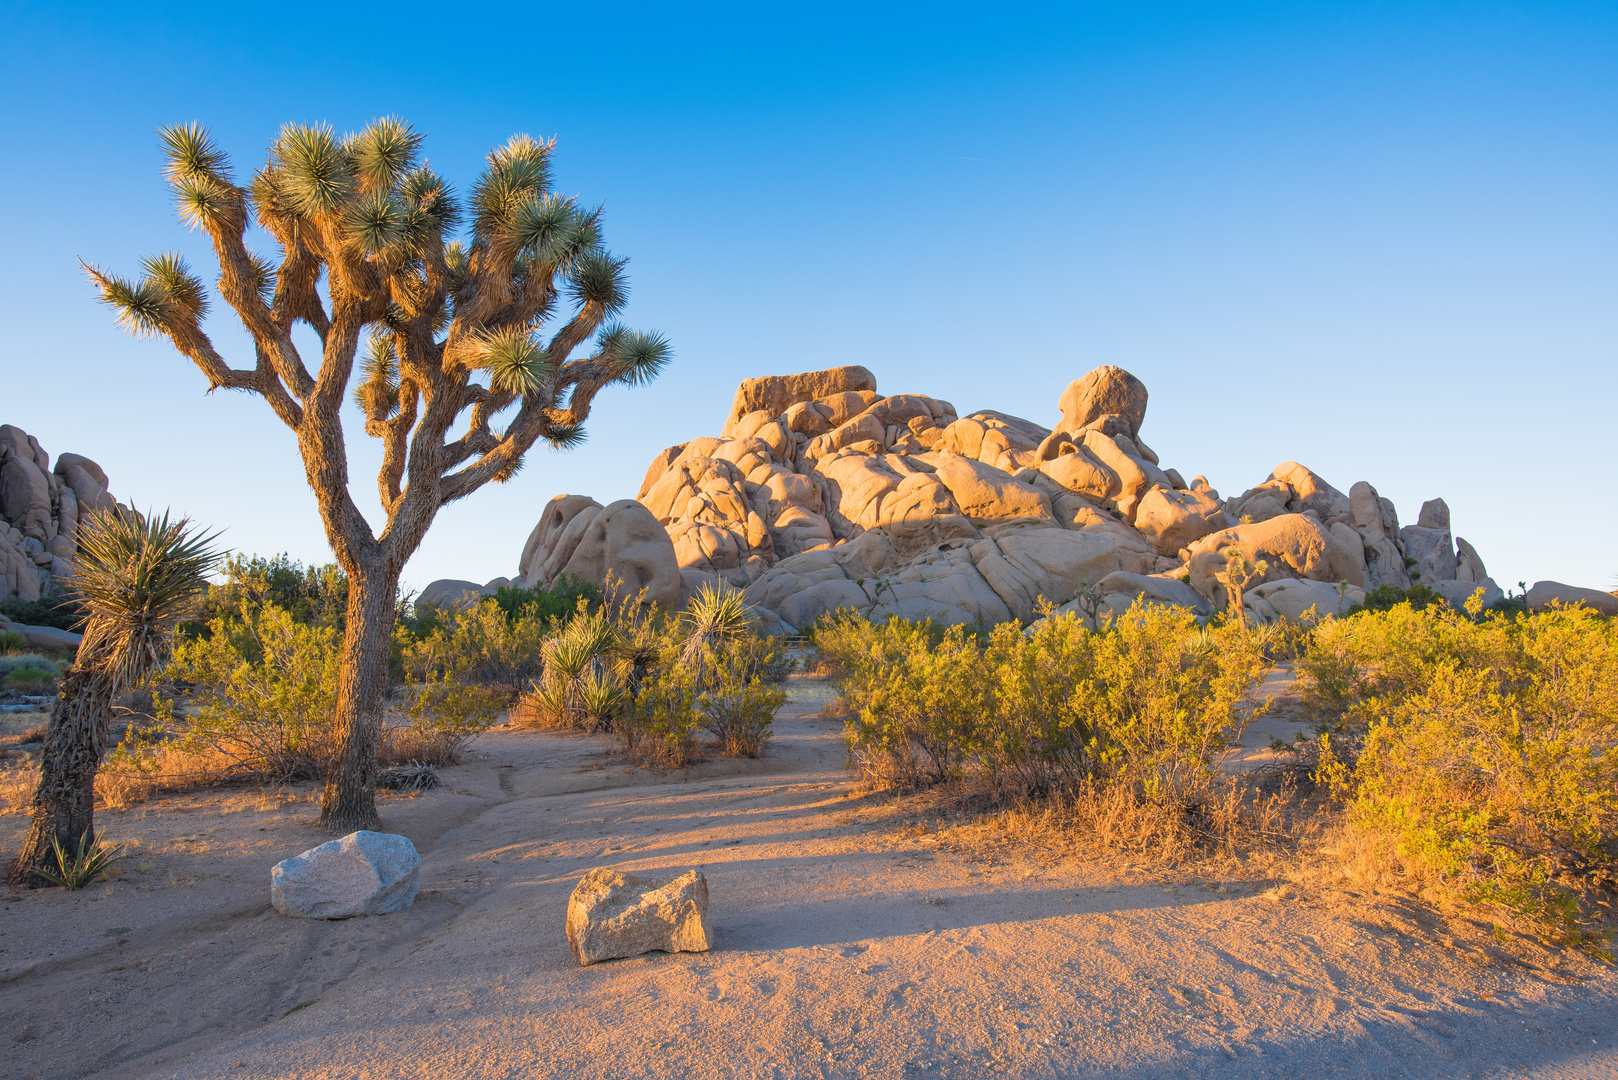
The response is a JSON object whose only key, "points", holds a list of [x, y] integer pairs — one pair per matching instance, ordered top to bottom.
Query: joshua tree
{"points": [[360, 213], [1239, 570], [137, 579]]}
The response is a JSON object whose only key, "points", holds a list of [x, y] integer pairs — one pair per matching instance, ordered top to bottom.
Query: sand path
{"points": [[847, 947]]}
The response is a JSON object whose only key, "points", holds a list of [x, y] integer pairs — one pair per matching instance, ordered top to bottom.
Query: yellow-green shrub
{"points": [[479, 643], [1150, 699], [257, 700], [1489, 762]]}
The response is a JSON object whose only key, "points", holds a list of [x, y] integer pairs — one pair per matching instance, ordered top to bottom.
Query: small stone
{"points": [[364, 873], [612, 915]]}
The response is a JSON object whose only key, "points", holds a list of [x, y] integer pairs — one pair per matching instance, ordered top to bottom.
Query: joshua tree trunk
{"points": [[64, 801], [349, 801]]}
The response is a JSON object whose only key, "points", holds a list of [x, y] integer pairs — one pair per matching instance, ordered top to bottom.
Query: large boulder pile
{"points": [[821, 493], [41, 508]]}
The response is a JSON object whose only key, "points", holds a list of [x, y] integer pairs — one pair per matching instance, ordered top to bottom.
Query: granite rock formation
{"points": [[821, 493], [40, 510]]}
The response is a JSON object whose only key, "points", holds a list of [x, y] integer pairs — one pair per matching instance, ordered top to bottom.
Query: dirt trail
{"points": [[845, 948]]}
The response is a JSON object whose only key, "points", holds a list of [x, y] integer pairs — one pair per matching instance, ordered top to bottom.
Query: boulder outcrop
{"points": [[822, 493], [40, 510], [1545, 593], [364, 873], [612, 915]]}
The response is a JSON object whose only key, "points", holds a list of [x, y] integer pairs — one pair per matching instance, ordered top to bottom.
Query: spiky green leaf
{"points": [[384, 152], [192, 154], [316, 176], [376, 222], [598, 278], [180, 288], [634, 357], [515, 362], [138, 577]]}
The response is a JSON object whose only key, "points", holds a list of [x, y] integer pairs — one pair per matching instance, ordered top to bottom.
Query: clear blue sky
{"points": [[1377, 238]]}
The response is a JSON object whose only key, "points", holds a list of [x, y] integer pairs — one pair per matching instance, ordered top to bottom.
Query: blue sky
{"points": [[1377, 238]]}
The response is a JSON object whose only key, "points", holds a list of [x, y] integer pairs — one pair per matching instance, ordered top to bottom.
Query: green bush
{"points": [[309, 595], [557, 602], [58, 608], [12, 642], [479, 643], [18, 661], [30, 680], [657, 682], [263, 689], [1150, 700], [1483, 754]]}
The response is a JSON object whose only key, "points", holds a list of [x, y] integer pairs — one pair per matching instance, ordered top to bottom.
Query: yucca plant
{"points": [[456, 330], [138, 577], [717, 616], [581, 680], [84, 865]]}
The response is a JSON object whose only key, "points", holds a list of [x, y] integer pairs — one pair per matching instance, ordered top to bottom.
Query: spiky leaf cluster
{"points": [[422, 330], [138, 577]]}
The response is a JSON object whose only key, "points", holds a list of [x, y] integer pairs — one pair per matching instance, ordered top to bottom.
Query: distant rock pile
{"points": [[820, 493], [42, 508]]}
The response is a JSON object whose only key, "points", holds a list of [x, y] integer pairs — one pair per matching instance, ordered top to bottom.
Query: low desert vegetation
{"points": [[659, 682], [248, 695], [1122, 727], [1478, 754], [1468, 756]]}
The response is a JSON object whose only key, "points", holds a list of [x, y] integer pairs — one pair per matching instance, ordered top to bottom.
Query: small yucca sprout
{"points": [[716, 616]]}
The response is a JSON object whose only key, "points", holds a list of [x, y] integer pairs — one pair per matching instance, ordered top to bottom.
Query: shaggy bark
{"points": [[348, 801], [64, 802]]}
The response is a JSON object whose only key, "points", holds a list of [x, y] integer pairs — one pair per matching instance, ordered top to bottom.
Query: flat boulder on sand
{"points": [[364, 873], [612, 915]]}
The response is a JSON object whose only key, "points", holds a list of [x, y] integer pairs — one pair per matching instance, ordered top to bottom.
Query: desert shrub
{"points": [[310, 595], [1389, 596], [557, 602], [59, 608], [12, 642], [478, 643], [28, 661], [1350, 664], [30, 680], [657, 683], [581, 685], [263, 689], [1149, 701], [255, 702], [738, 702], [444, 717], [661, 721], [1488, 758]]}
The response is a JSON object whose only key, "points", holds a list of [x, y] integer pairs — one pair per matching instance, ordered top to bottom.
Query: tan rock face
{"points": [[1106, 391], [775, 393], [822, 494], [40, 512], [1172, 519], [1545, 593], [612, 915]]}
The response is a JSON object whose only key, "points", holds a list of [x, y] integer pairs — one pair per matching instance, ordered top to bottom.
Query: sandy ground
{"points": [[848, 945]]}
